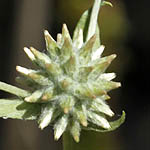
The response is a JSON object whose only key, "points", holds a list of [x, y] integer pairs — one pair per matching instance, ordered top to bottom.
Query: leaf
{"points": [[106, 3], [93, 19], [84, 23], [13, 90], [17, 109], [114, 125]]}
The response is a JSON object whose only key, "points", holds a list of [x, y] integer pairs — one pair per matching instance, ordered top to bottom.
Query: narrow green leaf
{"points": [[93, 19], [83, 24], [98, 41], [13, 90], [17, 109], [113, 125]]}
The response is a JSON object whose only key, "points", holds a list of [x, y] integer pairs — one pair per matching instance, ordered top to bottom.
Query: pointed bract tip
{"points": [[65, 26], [65, 29], [46, 33], [59, 36], [102, 47], [26, 49], [32, 49], [98, 52], [29, 53], [113, 56], [18, 68], [22, 70], [118, 84], [107, 97], [44, 98], [28, 99], [66, 110], [111, 114], [45, 122], [84, 123], [106, 125], [57, 135], [76, 138]]}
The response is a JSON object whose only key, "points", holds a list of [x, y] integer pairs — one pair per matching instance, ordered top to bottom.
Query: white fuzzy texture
{"points": [[46, 33], [80, 38], [59, 39], [79, 41], [98, 52], [29, 53], [41, 56], [23, 70], [107, 76], [102, 107], [98, 120], [45, 122], [60, 127]]}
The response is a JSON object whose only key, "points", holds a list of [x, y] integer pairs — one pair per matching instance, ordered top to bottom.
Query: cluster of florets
{"points": [[70, 83]]}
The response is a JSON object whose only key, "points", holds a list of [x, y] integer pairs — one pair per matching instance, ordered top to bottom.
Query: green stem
{"points": [[93, 19], [67, 141], [88, 141]]}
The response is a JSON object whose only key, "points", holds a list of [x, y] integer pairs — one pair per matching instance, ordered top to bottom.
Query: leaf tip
{"points": [[106, 3], [46, 33], [29, 53]]}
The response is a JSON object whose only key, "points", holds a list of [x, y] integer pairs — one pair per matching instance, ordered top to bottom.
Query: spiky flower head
{"points": [[69, 83]]}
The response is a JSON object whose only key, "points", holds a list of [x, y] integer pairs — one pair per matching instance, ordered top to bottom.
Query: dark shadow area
{"points": [[135, 90]]}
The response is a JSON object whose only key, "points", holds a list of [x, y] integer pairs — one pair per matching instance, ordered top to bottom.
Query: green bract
{"points": [[69, 88]]}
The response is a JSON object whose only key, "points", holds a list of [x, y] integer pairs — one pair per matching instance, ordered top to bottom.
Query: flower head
{"points": [[69, 87]]}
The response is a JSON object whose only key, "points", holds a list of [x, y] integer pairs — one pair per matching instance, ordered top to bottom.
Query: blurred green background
{"points": [[124, 31]]}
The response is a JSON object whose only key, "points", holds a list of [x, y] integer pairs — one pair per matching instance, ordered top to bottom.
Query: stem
{"points": [[93, 19], [67, 141], [89, 141]]}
